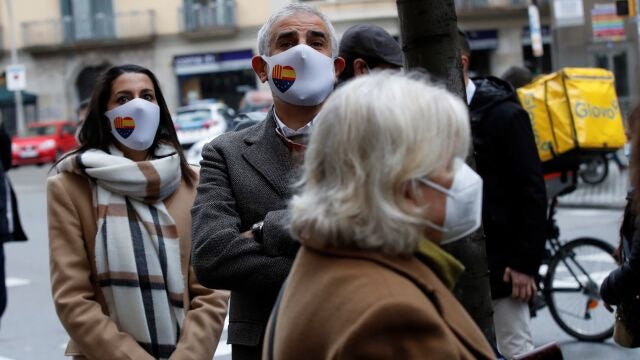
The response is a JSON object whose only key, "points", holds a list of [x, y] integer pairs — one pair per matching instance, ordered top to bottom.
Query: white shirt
{"points": [[471, 90], [287, 131]]}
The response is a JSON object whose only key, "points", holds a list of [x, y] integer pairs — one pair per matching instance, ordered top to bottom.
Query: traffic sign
{"points": [[16, 76]]}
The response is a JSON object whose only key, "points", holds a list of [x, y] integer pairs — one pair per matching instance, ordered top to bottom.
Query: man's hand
{"points": [[523, 285]]}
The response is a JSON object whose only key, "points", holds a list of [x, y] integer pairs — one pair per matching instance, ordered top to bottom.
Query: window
{"points": [[87, 19], [41, 130]]}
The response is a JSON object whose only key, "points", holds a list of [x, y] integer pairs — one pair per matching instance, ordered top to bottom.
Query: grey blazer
{"points": [[246, 177]]}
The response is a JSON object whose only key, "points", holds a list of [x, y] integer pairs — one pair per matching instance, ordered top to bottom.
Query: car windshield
{"points": [[187, 117], [40, 130]]}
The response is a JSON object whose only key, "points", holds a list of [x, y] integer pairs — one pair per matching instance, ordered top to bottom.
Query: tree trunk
{"points": [[429, 33]]}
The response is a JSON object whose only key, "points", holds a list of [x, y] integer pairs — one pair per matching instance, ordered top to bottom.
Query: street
{"points": [[30, 329]]}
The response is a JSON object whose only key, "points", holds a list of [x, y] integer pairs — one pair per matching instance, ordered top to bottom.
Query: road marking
{"points": [[588, 212], [570, 281], [13, 282], [223, 348], [4, 358]]}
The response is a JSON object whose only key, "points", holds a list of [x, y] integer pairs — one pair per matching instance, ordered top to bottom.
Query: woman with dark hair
{"points": [[120, 232], [622, 287]]}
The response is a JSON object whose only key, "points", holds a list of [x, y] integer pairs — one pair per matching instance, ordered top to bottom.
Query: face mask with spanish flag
{"points": [[301, 75], [135, 123]]}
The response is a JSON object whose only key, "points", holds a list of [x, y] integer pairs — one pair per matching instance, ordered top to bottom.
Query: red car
{"points": [[43, 142]]}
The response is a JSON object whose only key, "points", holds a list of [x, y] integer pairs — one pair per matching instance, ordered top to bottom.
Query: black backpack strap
{"points": [[274, 319]]}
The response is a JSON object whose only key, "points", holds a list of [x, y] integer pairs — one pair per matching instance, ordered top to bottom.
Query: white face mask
{"points": [[301, 75], [135, 123], [463, 214]]}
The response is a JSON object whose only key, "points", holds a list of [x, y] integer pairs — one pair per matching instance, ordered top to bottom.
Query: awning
{"points": [[7, 98]]}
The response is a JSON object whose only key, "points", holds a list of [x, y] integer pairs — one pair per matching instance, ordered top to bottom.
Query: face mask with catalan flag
{"points": [[301, 75], [135, 123]]}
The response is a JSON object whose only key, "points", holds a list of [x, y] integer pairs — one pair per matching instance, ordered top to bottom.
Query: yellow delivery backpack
{"points": [[573, 109]]}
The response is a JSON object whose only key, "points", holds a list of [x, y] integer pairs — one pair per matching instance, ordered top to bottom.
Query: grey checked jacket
{"points": [[245, 178]]}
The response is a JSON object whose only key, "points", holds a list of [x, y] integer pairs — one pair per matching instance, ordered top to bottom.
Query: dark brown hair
{"points": [[95, 132]]}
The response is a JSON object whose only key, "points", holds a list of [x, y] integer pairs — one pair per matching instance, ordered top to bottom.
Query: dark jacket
{"points": [[245, 178], [7, 190], [514, 195], [622, 283]]}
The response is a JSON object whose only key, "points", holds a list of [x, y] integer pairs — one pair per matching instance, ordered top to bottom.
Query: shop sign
{"points": [[568, 13], [606, 25]]}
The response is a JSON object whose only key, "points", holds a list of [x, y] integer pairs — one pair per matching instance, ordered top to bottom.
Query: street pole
{"points": [[429, 31], [536, 35], [14, 61]]}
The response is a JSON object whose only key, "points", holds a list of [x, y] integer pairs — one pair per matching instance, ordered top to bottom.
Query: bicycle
{"points": [[594, 167], [570, 280]]}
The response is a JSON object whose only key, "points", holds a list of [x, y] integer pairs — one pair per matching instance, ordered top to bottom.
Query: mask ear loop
{"points": [[437, 187]]}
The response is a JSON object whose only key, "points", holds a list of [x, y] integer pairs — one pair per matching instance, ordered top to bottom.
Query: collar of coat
{"points": [[441, 262], [422, 276]]}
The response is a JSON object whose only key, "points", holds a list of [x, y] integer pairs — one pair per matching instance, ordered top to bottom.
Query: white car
{"points": [[202, 121], [194, 154]]}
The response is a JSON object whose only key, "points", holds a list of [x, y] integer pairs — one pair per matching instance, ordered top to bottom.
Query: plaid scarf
{"points": [[137, 244]]}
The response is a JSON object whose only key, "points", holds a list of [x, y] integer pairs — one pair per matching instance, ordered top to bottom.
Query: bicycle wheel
{"points": [[595, 170], [572, 288]]}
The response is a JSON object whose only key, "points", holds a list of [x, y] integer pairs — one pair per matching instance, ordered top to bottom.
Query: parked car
{"points": [[256, 100], [244, 120], [202, 121], [43, 142], [194, 154]]}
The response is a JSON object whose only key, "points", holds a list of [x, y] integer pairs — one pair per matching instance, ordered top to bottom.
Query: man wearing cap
{"points": [[365, 47], [241, 241]]}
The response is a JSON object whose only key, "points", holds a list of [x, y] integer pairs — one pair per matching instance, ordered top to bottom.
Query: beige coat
{"points": [[78, 299], [356, 304]]}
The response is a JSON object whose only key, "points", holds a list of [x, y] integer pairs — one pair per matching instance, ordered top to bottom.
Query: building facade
{"points": [[201, 49]]}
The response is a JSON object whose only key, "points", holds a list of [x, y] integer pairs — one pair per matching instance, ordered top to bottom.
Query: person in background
{"points": [[365, 47], [518, 76], [81, 114], [5, 152], [384, 162], [514, 204], [10, 226], [120, 232], [241, 241], [621, 286]]}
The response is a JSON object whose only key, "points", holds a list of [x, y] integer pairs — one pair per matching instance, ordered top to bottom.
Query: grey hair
{"points": [[265, 34], [372, 139]]}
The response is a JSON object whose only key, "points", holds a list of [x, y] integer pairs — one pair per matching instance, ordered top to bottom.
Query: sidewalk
{"points": [[610, 194]]}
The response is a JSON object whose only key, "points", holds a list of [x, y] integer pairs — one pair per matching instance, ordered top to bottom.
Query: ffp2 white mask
{"points": [[463, 208]]}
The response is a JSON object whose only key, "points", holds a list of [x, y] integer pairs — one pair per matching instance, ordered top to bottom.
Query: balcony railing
{"points": [[216, 15], [100, 28]]}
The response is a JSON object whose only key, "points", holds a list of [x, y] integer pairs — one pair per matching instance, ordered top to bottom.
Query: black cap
{"points": [[371, 41]]}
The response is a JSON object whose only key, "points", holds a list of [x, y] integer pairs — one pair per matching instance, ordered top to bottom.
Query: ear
{"points": [[465, 63], [338, 65], [260, 67], [360, 67], [410, 194]]}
